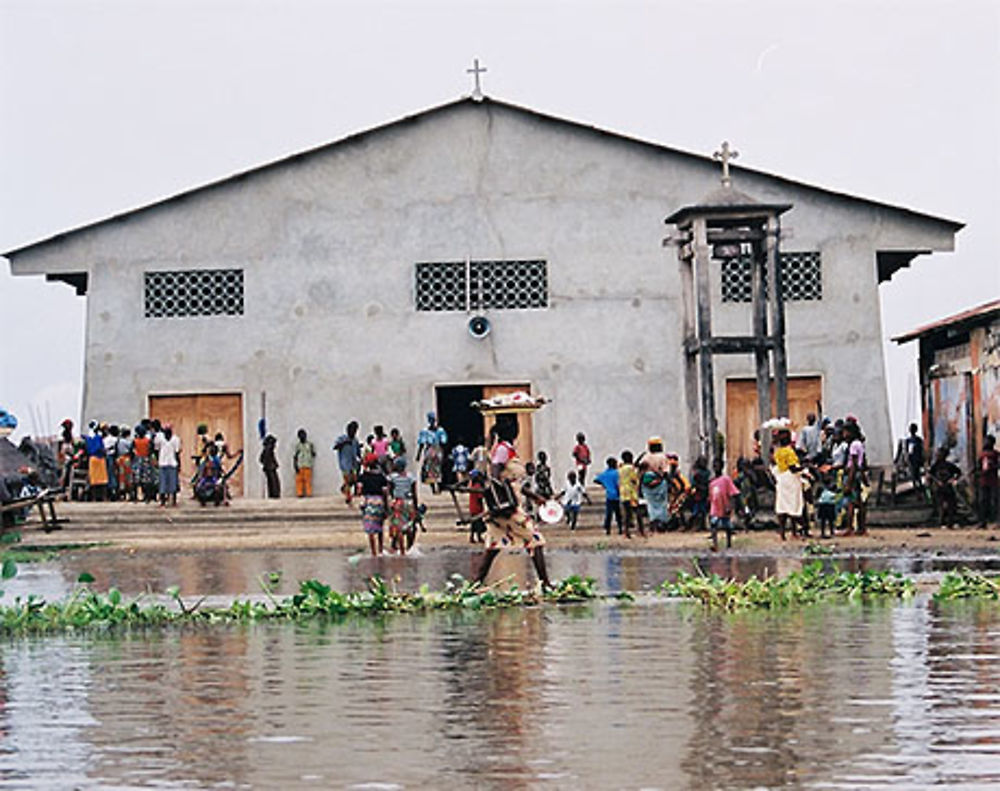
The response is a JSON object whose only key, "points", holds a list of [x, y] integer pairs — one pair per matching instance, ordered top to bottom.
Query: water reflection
{"points": [[650, 695]]}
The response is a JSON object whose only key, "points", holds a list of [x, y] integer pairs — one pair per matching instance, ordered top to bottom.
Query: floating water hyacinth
{"points": [[808, 586], [89, 609]]}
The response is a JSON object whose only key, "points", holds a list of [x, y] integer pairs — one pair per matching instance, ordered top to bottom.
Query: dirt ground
{"points": [[327, 523]]}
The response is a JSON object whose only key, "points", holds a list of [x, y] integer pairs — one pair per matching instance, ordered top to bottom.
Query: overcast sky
{"points": [[106, 106]]}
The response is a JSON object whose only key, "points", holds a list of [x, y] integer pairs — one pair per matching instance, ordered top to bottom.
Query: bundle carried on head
{"points": [[518, 401]]}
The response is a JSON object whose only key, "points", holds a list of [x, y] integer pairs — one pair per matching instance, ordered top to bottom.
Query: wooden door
{"points": [[805, 393], [220, 412], [524, 444]]}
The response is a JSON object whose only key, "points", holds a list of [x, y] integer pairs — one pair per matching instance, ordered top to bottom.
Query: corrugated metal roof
{"points": [[971, 316]]}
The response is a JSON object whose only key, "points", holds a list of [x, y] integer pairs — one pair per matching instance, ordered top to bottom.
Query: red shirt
{"points": [[720, 493], [476, 506]]}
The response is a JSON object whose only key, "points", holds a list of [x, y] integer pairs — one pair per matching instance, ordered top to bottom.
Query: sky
{"points": [[109, 105]]}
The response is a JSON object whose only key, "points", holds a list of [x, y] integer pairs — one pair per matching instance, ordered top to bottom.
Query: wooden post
{"points": [[702, 260], [777, 300], [690, 339], [761, 359]]}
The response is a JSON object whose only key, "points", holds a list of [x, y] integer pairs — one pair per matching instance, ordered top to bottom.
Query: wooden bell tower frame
{"points": [[728, 224]]}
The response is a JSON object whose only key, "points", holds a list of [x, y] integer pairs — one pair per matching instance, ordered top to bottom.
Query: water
{"points": [[652, 695]]}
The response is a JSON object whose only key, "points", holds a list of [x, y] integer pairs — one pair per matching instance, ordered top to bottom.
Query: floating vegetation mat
{"points": [[812, 584], [966, 584], [87, 609]]}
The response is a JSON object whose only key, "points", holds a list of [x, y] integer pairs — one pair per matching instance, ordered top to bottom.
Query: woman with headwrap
{"points": [[430, 448], [653, 484]]}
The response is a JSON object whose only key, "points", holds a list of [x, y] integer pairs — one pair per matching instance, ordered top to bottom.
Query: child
{"points": [[380, 447], [397, 448], [480, 457], [581, 458], [302, 460], [460, 462], [269, 464], [543, 476], [943, 477], [610, 479], [700, 480], [746, 483], [372, 485], [628, 487], [721, 491], [529, 497], [572, 498], [826, 505], [402, 508], [477, 508]]}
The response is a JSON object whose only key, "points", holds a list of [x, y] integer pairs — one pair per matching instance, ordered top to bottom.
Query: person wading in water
{"points": [[508, 526]]}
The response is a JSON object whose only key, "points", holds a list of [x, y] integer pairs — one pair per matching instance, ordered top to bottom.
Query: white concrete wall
{"points": [[328, 245]]}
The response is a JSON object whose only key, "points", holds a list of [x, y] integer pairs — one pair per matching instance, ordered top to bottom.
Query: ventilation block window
{"points": [[482, 285], [193, 292]]}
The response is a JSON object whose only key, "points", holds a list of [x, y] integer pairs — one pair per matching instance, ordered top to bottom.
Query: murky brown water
{"points": [[654, 695]]}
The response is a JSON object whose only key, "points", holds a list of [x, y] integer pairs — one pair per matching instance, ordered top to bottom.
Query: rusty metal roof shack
{"points": [[959, 365]]}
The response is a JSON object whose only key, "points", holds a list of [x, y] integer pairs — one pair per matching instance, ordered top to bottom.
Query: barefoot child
{"points": [[581, 458], [610, 480], [372, 485], [628, 488], [721, 492], [572, 498], [826, 505], [402, 508], [477, 508]]}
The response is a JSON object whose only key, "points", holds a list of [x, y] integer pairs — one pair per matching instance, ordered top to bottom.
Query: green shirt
{"points": [[305, 455]]}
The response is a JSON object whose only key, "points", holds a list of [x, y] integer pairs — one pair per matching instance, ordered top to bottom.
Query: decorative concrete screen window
{"points": [[801, 278], [480, 285], [194, 292]]}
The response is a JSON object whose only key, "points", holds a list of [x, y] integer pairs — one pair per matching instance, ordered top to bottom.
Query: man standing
{"points": [[809, 444], [168, 448], [914, 448], [305, 455], [348, 459]]}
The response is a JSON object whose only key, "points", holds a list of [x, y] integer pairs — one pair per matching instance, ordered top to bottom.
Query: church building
{"points": [[468, 250]]}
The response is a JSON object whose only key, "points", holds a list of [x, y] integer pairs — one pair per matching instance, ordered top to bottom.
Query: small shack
{"points": [[959, 362]]}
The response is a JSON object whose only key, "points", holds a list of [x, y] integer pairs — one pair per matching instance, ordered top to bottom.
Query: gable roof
{"points": [[483, 101]]}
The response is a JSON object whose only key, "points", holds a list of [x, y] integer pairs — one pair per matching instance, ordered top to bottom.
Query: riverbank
{"points": [[327, 523]]}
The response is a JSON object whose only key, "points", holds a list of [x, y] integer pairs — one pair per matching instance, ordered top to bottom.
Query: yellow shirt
{"points": [[785, 457], [628, 483]]}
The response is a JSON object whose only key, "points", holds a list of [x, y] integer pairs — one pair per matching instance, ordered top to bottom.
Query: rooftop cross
{"points": [[476, 70], [724, 156]]}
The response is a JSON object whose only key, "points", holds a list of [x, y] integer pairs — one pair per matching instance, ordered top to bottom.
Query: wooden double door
{"points": [[805, 395], [219, 411]]}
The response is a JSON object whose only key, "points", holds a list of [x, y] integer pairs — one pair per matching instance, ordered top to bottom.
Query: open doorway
{"points": [[464, 422]]}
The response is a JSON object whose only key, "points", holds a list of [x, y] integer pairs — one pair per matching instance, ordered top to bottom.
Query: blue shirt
{"points": [[95, 445], [348, 453], [460, 458], [609, 480]]}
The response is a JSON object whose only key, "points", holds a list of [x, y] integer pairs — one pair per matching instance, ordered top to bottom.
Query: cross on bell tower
{"points": [[475, 71], [724, 156]]}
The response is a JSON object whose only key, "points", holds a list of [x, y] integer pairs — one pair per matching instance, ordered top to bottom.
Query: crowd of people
{"points": [[142, 463], [818, 474]]}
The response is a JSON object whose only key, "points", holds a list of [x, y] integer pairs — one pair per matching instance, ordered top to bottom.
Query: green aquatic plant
{"points": [[816, 549], [967, 584], [808, 586], [89, 609]]}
